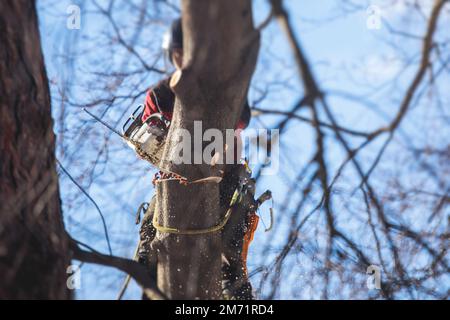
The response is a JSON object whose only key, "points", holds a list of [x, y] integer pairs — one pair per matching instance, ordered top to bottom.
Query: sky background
{"points": [[347, 58]]}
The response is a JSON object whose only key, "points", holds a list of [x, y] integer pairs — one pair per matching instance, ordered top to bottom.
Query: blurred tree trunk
{"points": [[220, 53], [33, 246]]}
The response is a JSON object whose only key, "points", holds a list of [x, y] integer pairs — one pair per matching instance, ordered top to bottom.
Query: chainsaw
{"points": [[147, 138]]}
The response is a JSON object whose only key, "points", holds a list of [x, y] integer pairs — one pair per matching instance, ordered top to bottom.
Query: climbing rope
{"points": [[170, 176], [222, 223], [215, 228]]}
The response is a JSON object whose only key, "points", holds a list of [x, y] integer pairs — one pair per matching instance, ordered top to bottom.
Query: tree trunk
{"points": [[220, 52], [33, 247]]}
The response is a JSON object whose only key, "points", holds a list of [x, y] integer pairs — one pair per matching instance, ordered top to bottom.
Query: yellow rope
{"points": [[217, 227], [212, 229]]}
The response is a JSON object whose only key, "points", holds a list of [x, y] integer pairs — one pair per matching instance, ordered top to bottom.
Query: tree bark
{"points": [[220, 53], [33, 246]]}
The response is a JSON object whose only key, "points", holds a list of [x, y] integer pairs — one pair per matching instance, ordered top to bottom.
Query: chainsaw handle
{"points": [[137, 113]]}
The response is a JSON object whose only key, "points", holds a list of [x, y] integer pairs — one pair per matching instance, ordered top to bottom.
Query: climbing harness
{"points": [[235, 199]]}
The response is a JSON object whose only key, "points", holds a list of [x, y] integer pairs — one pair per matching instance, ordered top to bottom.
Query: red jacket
{"points": [[161, 99]]}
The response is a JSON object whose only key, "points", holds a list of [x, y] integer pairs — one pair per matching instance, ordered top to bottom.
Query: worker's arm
{"points": [[159, 99]]}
